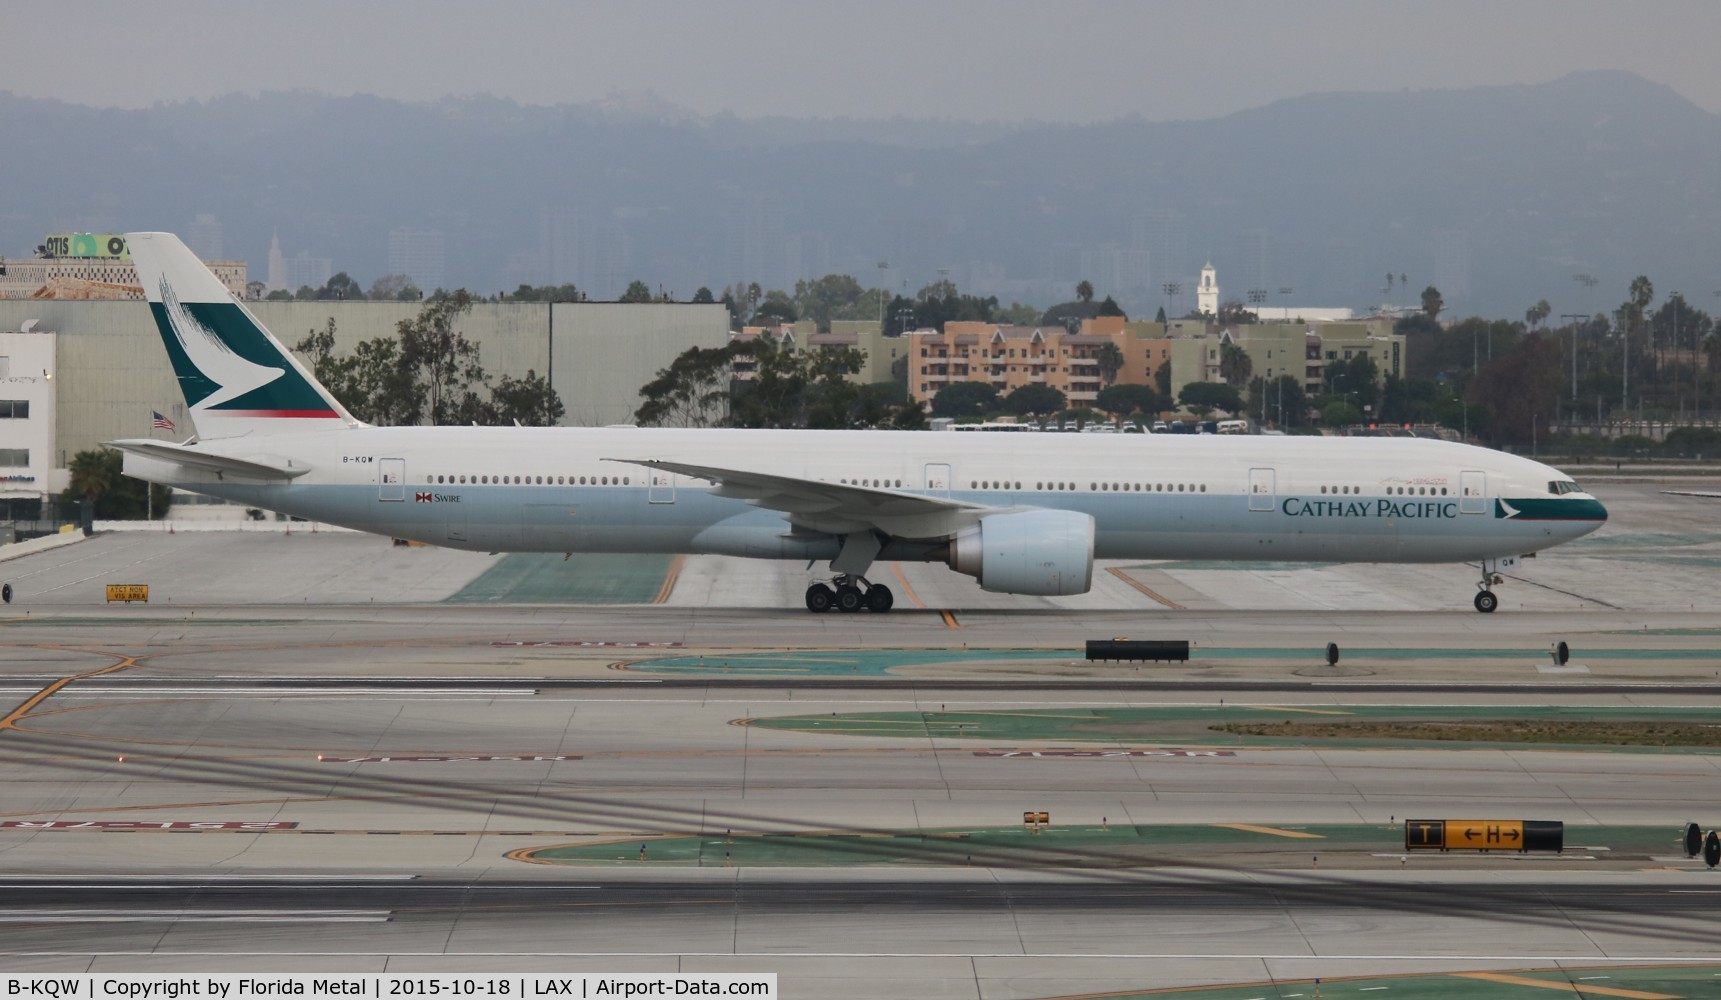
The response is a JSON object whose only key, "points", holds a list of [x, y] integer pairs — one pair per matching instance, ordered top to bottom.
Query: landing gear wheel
{"points": [[820, 598], [850, 598], [879, 598], [1486, 602]]}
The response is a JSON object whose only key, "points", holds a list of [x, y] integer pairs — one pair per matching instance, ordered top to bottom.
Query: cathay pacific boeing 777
{"points": [[1021, 513]]}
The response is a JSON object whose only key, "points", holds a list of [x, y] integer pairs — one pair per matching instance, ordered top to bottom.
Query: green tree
{"points": [[340, 287], [397, 287], [637, 291], [1084, 291], [546, 293], [279, 295], [703, 296], [822, 299], [1432, 303], [776, 308], [1110, 308], [1232, 313], [1017, 314], [1534, 315], [1159, 317], [1109, 359], [442, 360], [1235, 366], [1162, 379], [1357, 380], [371, 382], [1522, 388], [694, 391], [1126, 398], [1202, 398], [965, 399], [1034, 400], [1280, 401], [1412, 401], [526, 402], [1340, 413], [96, 476]]}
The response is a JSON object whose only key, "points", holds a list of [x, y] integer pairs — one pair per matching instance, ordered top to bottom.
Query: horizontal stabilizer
{"points": [[198, 458]]}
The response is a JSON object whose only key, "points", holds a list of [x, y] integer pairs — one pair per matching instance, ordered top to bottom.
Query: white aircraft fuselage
{"points": [[1022, 513]]}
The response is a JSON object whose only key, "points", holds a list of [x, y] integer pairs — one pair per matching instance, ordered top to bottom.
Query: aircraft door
{"points": [[391, 479], [938, 480], [660, 486], [1261, 489], [1472, 492]]}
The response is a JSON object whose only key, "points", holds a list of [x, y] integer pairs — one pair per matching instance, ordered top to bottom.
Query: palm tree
{"points": [[1085, 291], [1432, 302], [1110, 361], [1235, 366], [93, 473]]}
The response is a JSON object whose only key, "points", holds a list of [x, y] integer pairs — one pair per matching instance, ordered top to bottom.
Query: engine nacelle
{"points": [[1047, 553]]}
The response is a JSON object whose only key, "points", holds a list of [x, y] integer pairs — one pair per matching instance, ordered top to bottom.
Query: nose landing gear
{"points": [[851, 593], [1486, 600]]}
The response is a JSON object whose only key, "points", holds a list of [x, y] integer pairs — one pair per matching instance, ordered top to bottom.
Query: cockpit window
{"points": [[1560, 487]]}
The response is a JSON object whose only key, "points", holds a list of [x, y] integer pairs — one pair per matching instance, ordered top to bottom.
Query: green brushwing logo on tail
{"points": [[227, 364]]}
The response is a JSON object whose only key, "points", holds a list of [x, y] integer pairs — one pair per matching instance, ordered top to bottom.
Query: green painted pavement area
{"points": [[548, 578], [879, 662], [1191, 724], [1122, 845], [1644, 982]]}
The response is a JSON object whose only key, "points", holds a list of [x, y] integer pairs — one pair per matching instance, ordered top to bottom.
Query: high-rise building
{"points": [[1164, 235], [204, 237], [758, 246], [418, 254], [1256, 259], [1451, 267], [302, 269], [277, 280]]}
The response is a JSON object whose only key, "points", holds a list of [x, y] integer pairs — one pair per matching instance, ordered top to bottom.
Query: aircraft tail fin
{"points": [[236, 377]]}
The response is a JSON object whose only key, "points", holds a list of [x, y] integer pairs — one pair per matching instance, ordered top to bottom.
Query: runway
{"points": [[264, 770]]}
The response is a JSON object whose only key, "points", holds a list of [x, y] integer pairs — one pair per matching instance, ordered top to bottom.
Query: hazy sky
{"points": [[1084, 60]]}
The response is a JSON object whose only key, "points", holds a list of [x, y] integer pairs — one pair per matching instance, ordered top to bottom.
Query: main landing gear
{"points": [[851, 593]]}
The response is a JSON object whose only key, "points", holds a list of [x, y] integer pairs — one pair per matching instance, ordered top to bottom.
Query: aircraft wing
{"points": [[197, 458], [1710, 494], [835, 508]]}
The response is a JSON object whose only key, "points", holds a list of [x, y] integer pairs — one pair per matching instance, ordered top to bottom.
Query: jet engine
{"points": [[1047, 553]]}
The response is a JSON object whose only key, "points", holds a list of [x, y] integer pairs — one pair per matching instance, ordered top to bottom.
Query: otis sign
{"points": [[1297, 507]]}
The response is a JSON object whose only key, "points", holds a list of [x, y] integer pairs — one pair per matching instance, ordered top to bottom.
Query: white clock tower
{"points": [[1207, 293]]}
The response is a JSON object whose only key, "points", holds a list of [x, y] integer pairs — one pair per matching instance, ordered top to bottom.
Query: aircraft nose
{"points": [[1592, 516]]}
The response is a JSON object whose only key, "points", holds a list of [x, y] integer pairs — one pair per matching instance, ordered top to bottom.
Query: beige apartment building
{"points": [[866, 336], [1302, 350], [1012, 356]]}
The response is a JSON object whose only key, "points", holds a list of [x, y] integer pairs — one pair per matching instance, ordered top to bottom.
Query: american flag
{"points": [[161, 422]]}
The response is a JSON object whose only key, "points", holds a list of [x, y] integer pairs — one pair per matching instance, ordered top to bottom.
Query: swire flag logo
{"points": [[161, 422], [423, 497]]}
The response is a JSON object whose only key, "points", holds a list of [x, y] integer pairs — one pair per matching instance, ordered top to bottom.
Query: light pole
{"points": [[883, 266], [1173, 289], [1257, 296], [1284, 301], [1573, 319]]}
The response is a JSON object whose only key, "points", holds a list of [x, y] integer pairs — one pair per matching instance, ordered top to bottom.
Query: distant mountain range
{"points": [[1499, 195]]}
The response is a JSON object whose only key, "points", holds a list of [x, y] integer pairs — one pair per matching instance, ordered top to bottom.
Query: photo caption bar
{"points": [[387, 986]]}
